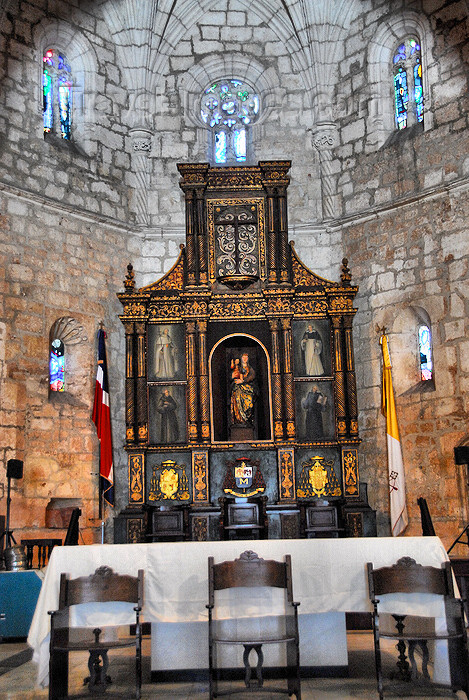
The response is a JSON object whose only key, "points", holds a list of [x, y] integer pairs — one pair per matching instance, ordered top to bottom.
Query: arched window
{"points": [[408, 83], [57, 93], [229, 108], [425, 353], [57, 365]]}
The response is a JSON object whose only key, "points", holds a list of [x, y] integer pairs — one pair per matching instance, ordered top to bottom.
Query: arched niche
{"points": [[230, 348]]}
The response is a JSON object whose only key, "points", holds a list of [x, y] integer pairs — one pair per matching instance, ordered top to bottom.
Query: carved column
{"points": [[325, 139], [141, 149], [283, 234], [190, 237], [201, 237], [271, 238], [339, 377], [350, 377], [276, 380], [191, 382], [129, 383], [204, 383], [288, 387], [142, 411]]}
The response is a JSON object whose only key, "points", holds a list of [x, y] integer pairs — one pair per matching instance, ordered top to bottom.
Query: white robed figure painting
{"points": [[311, 345], [165, 355]]}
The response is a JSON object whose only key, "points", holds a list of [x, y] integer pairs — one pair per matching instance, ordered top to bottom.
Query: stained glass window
{"points": [[408, 83], [57, 94], [229, 107], [425, 353], [57, 365]]}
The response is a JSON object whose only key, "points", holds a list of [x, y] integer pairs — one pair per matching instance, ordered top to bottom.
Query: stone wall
{"points": [[53, 265]]}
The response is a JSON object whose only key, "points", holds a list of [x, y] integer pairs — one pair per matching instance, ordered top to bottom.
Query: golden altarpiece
{"points": [[240, 379]]}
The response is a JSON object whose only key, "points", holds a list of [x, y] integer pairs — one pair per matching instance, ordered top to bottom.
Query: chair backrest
{"points": [[243, 514], [44, 548], [249, 571], [406, 576], [101, 587]]}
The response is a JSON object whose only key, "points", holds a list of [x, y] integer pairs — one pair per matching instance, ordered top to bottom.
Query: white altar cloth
{"points": [[329, 575]]}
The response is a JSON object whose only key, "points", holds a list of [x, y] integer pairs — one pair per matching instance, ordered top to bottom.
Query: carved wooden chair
{"points": [[246, 520], [250, 571], [101, 587], [411, 631]]}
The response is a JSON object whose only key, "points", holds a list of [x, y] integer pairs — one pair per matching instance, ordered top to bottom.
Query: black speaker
{"points": [[461, 454], [14, 469]]}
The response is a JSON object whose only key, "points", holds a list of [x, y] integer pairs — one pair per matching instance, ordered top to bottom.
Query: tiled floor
{"points": [[17, 677]]}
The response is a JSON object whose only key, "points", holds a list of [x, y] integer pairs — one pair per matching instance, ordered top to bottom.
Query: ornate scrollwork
{"points": [[341, 304], [303, 306], [195, 308], [245, 308], [134, 309], [165, 311], [350, 471], [136, 478], [318, 478], [169, 482]]}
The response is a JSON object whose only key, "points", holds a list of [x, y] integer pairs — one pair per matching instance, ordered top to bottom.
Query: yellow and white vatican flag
{"points": [[397, 500]]}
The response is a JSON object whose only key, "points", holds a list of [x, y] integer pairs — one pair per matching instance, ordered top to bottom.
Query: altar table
{"points": [[329, 577]]}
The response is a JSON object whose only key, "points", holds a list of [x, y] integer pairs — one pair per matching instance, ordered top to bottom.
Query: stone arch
{"points": [[82, 58], [381, 105]]}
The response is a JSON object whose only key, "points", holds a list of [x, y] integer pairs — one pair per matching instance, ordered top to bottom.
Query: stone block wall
{"points": [[54, 264]]}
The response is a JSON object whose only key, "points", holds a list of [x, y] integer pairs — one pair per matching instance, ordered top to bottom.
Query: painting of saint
{"points": [[311, 346], [165, 354], [243, 391], [314, 405], [315, 419], [169, 424]]}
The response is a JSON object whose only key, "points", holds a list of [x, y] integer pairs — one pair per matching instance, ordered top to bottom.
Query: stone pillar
{"points": [[325, 138], [141, 149], [339, 377], [276, 380], [191, 382], [204, 383], [288, 387], [142, 410]]}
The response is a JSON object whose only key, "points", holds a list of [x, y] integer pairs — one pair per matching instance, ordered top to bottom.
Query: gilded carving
{"points": [[173, 280], [341, 304], [304, 306], [195, 308], [246, 308], [134, 309], [165, 311], [143, 433], [129, 434], [350, 471], [287, 474], [199, 476], [136, 478], [318, 479], [169, 482], [200, 528], [134, 530]]}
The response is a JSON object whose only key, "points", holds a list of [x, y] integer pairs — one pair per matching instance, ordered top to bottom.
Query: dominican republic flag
{"points": [[102, 420], [397, 499]]}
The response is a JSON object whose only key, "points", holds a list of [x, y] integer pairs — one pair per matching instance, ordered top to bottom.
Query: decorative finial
{"points": [[346, 275], [129, 282]]}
